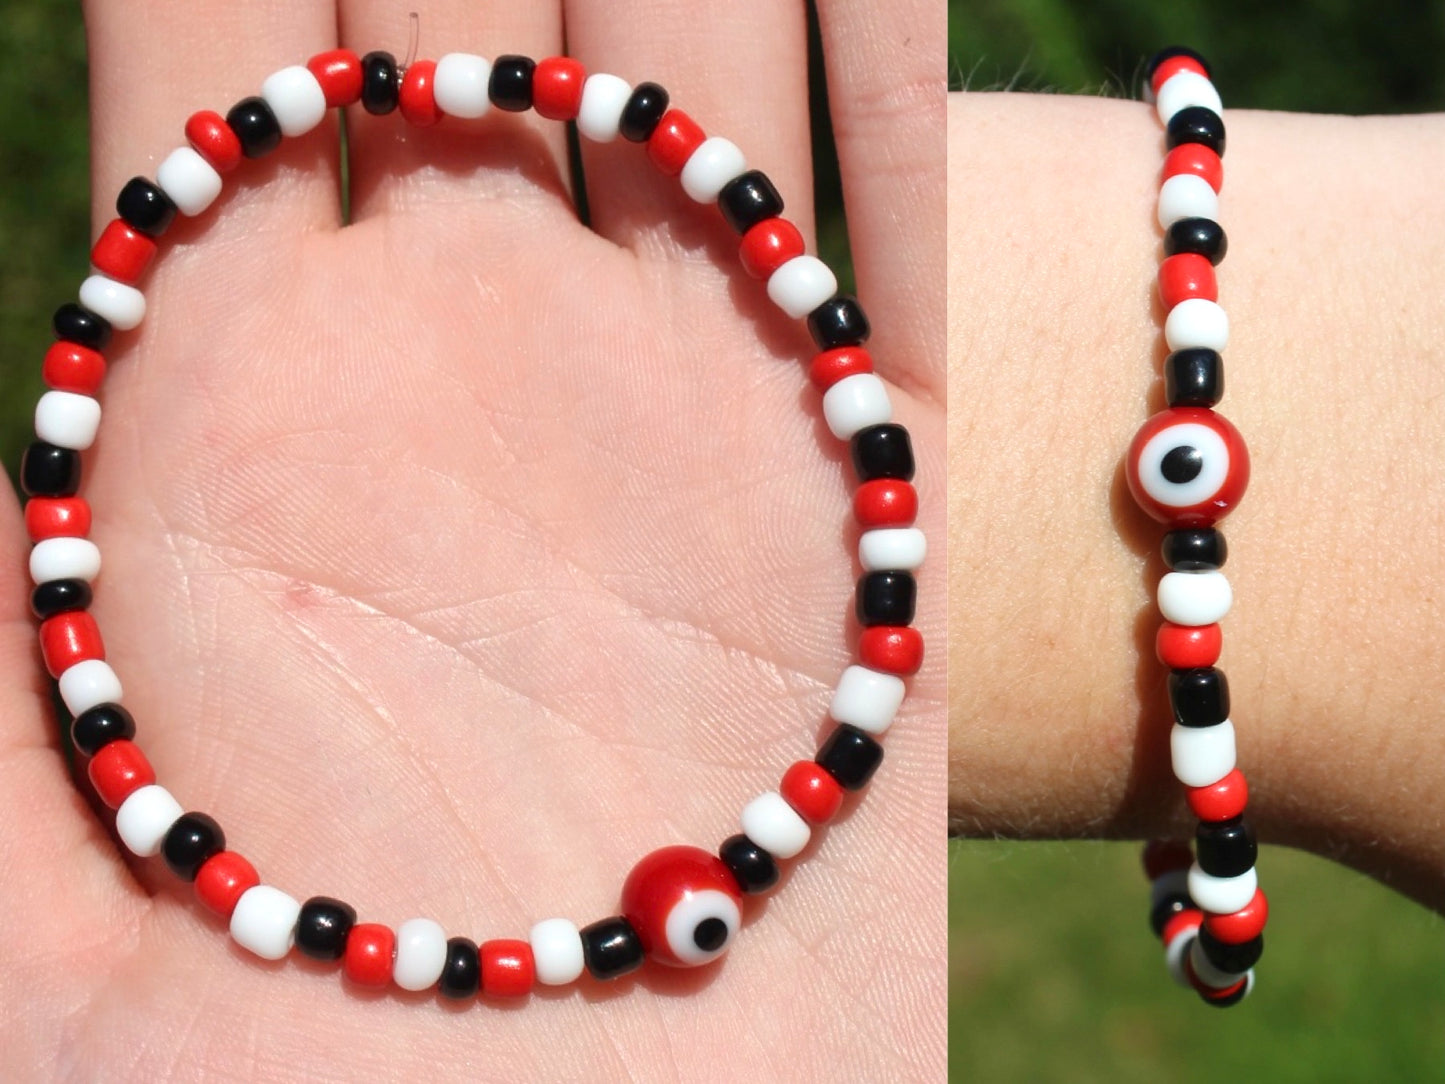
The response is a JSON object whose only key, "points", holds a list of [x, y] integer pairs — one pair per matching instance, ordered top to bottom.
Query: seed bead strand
{"points": [[1188, 467], [680, 905]]}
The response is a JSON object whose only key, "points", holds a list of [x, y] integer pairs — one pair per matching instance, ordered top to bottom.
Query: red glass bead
{"points": [[1172, 67], [339, 73], [557, 87], [417, 97], [214, 140], [673, 140], [1196, 159], [769, 245], [121, 252], [1184, 276], [831, 366], [72, 367], [1216, 479], [885, 502], [57, 517], [69, 638], [1184, 647], [893, 649], [118, 770], [812, 792], [1219, 801], [1163, 856], [223, 879], [684, 904], [1185, 922], [1243, 925], [370, 947], [508, 968], [1210, 993]]}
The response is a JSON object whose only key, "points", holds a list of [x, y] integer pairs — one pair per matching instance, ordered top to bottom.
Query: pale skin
{"points": [[1333, 281], [456, 558]]}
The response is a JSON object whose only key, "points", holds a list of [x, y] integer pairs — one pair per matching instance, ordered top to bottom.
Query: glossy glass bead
{"points": [[1155, 61], [1171, 67], [338, 71], [380, 83], [460, 85], [510, 85], [557, 85], [1185, 89], [417, 98], [643, 111], [1196, 124], [255, 126], [673, 140], [1196, 159], [710, 167], [192, 183], [748, 199], [144, 207], [1200, 235], [122, 252], [1184, 276], [839, 321], [76, 324], [68, 366], [1193, 377], [882, 451], [1187, 467], [49, 471], [885, 503], [57, 517], [1195, 549], [64, 559], [58, 597], [886, 598], [69, 638], [1188, 647], [893, 649], [1199, 697], [97, 727], [850, 756], [118, 770], [811, 791], [1222, 800], [143, 819], [770, 822], [189, 842], [1226, 848], [754, 868], [223, 879], [684, 905], [1170, 905], [264, 921], [1242, 924], [323, 927], [611, 948], [556, 951], [370, 953], [421, 954], [1233, 958], [508, 968], [462, 973]]}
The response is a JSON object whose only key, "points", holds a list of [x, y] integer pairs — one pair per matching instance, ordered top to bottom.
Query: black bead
{"points": [[1172, 51], [380, 83], [510, 84], [642, 112], [1196, 124], [255, 126], [748, 199], [144, 207], [1202, 236], [839, 321], [76, 324], [1193, 377], [882, 451], [49, 471], [1194, 549], [59, 596], [886, 598], [1199, 697], [97, 727], [850, 756], [189, 842], [1225, 848], [754, 868], [1166, 909], [323, 926], [611, 948], [1235, 959], [462, 973], [1228, 1000]]}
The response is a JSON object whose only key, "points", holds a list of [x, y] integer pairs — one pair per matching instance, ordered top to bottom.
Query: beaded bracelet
{"points": [[1187, 467], [680, 905]]}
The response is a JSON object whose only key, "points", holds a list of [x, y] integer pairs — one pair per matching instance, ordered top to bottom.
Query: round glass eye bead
{"points": [[380, 83], [509, 87], [644, 108], [1196, 124], [255, 126], [748, 199], [145, 208], [1202, 236], [839, 321], [76, 324], [1193, 378], [882, 451], [49, 471], [1194, 549], [59, 596], [886, 598], [1199, 697], [97, 727], [850, 756], [189, 842], [1226, 849], [753, 868], [1173, 904], [684, 905], [323, 927], [611, 948], [462, 973]]}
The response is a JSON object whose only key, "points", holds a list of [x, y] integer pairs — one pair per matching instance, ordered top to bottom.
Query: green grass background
{"points": [[1054, 975]]}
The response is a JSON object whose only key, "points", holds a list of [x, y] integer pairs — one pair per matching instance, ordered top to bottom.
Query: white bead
{"points": [[460, 85], [1183, 89], [296, 98], [603, 99], [715, 162], [192, 183], [1186, 195], [801, 285], [124, 307], [1196, 322], [855, 403], [67, 419], [899, 549], [64, 559], [1194, 598], [88, 683], [867, 699], [1202, 755], [144, 818], [771, 823], [1222, 895], [264, 921], [556, 951], [421, 954], [1174, 957], [1207, 973]]}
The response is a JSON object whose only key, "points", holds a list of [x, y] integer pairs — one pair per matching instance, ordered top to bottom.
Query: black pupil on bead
{"points": [[1182, 464], [710, 935]]}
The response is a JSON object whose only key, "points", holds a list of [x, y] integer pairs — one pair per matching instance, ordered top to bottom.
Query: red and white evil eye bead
{"points": [[1187, 467], [684, 904]]}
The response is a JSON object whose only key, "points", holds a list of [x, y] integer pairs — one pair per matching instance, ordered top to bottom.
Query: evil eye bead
{"points": [[1187, 467], [684, 904]]}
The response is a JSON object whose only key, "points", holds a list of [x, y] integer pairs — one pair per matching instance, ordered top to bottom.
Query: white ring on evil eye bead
{"points": [[1204, 485], [689, 913]]}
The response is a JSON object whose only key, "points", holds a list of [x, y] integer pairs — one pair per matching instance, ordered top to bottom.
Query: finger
{"points": [[739, 70], [887, 90], [462, 163]]}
